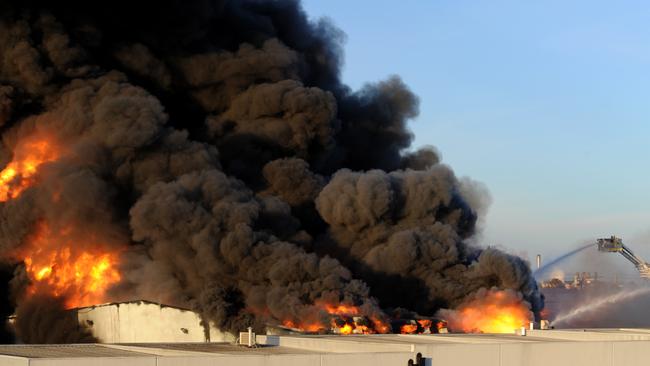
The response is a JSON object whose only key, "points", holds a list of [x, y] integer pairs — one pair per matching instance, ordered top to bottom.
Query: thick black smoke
{"points": [[214, 140], [403, 232], [43, 319]]}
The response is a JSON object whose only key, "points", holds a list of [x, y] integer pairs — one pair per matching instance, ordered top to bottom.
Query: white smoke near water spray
{"points": [[599, 305]]}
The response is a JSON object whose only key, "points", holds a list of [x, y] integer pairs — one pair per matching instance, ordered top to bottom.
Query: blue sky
{"points": [[546, 103]]}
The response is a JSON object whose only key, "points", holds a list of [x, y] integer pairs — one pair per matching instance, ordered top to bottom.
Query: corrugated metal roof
{"points": [[136, 302], [329, 344], [220, 348], [138, 350], [65, 351]]}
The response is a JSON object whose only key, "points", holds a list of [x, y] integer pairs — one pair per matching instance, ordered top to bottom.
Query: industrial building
{"points": [[145, 321], [593, 347]]}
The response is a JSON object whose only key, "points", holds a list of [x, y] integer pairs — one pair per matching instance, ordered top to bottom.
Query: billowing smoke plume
{"points": [[211, 146], [45, 320]]}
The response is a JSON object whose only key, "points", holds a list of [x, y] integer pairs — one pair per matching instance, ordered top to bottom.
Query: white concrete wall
{"points": [[142, 322], [596, 335], [334, 345], [382, 351], [522, 351], [561, 353], [626, 353], [369, 359], [242, 360], [13, 361], [88, 361]]}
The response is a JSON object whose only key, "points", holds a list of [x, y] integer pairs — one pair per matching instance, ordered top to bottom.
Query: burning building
{"points": [[206, 155], [144, 321], [141, 322]]}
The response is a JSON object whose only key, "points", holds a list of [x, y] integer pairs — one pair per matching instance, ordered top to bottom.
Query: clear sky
{"points": [[546, 102]]}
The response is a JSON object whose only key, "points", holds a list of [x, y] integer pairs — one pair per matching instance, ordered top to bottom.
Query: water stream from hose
{"points": [[561, 258], [599, 304]]}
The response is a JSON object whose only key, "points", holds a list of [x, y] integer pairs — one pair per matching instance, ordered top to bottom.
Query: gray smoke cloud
{"points": [[212, 144], [409, 226]]}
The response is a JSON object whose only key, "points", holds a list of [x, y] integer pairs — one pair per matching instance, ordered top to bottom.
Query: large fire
{"points": [[28, 155], [66, 264], [81, 268], [493, 311], [344, 319], [349, 319]]}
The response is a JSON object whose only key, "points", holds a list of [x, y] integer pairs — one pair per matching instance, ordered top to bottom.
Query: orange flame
{"points": [[28, 155], [59, 265], [342, 309], [492, 311], [348, 314], [344, 319], [425, 323], [441, 325], [380, 326], [346, 329], [409, 329]]}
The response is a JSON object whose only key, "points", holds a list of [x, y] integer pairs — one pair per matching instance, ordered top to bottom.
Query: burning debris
{"points": [[205, 154], [339, 319], [350, 324], [422, 326]]}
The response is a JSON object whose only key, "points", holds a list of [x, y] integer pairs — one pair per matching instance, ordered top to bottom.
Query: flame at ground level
{"points": [[66, 264], [490, 311], [344, 319], [350, 319], [409, 329]]}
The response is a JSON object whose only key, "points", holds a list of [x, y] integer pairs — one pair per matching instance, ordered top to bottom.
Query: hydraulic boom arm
{"points": [[615, 244]]}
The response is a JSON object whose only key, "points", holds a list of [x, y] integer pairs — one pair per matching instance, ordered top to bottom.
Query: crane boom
{"points": [[615, 244]]}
